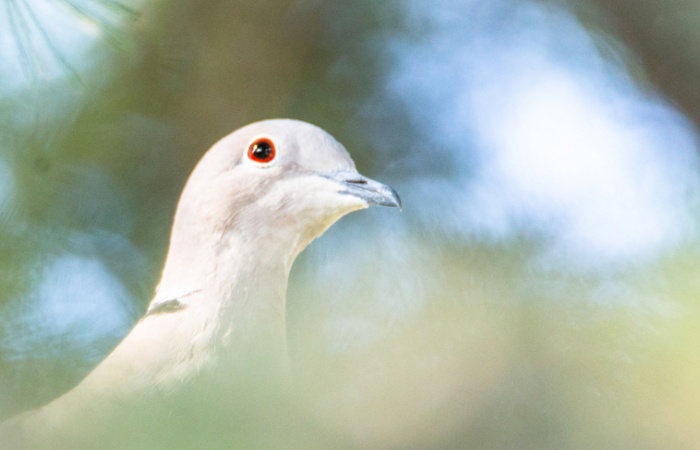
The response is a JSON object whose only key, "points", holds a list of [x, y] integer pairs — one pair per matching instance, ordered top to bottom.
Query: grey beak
{"points": [[373, 192]]}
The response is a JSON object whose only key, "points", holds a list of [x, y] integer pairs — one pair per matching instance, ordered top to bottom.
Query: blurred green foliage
{"points": [[402, 334]]}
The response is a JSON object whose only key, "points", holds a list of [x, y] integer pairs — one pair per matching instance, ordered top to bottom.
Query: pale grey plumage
{"points": [[239, 225]]}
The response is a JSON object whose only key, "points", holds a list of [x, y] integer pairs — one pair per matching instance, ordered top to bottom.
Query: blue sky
{"points": [[554, 138]]}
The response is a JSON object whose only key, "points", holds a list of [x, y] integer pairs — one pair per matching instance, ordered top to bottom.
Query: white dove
{"points": [[256, 199]]}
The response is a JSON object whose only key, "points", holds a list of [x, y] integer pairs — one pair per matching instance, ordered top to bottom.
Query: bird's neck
{"points": [[232, 291], [227, 337]]}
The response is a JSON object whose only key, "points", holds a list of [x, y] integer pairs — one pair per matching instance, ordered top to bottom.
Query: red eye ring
{"points": [[262, 150]]}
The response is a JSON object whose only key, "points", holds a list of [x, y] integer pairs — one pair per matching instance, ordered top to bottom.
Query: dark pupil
{"points": [[262, 150]]}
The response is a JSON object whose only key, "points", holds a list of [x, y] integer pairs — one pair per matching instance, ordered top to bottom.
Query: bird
{"points": [[253, 202]]}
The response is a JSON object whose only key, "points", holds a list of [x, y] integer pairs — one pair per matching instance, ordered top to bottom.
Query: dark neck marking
{"points": [[166, 307]]}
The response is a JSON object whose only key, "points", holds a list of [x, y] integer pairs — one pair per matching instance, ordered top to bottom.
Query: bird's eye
{"points": [[262, 150]]}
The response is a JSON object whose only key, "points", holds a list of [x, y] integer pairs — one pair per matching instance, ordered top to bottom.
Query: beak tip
{"points": [[372, 192], [384, 196], [396, 200]]}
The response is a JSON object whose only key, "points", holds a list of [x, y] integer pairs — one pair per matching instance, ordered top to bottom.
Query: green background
{"points": [[539, 289]]}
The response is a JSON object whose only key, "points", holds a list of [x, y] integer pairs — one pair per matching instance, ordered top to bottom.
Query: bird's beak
{"points": [[373, 192]]}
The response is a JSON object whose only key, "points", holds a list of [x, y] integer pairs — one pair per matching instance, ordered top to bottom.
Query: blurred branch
{"points": [[29, 32], [111, 32], [22, 35], [665, 37], [47, 39]]}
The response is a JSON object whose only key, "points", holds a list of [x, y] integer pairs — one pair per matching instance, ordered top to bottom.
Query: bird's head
{"points": [[282, 179]]}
